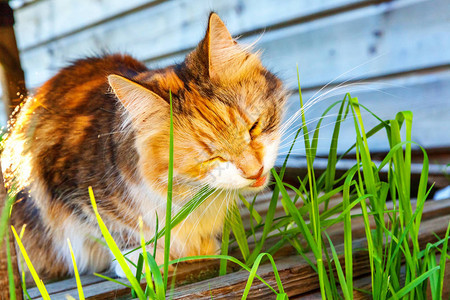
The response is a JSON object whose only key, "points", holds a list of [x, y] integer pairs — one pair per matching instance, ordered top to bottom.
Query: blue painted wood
{"points": [[330, 40]]}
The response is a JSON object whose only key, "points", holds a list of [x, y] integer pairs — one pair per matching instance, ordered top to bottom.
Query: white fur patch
{"points": [[271, 151], [227, 176], [90, 257]]}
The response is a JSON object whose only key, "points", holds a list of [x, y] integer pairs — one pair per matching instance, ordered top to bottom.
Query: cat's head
{"points": [[227, 110]]}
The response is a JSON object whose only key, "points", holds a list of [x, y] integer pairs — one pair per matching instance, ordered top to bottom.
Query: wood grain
{"points": [[401, 42]]}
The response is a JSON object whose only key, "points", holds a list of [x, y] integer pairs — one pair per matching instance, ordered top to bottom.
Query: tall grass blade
{"points": [[332, 155], [10, 198], [169, 198], [252, 211], [296, 215], [235, 221], [225, 244], [115, 249], [442, 262], [32, 270], [75, 271], [340, 273], [148, 276], [160, 286], [12, 288]]}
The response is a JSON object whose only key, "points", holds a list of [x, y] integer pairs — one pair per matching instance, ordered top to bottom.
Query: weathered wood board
{"points": [[46, 21], [380, 39], [398, 44]]}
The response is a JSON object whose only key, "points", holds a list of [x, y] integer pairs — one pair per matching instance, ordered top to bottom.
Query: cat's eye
{"points": [[255, 130]]}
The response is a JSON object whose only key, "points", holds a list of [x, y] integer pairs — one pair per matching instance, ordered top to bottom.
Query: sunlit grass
{"points": [[75, 271], [40, 285]]}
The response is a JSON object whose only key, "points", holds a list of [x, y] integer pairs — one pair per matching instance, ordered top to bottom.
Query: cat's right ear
{"points": [[139, 101]]}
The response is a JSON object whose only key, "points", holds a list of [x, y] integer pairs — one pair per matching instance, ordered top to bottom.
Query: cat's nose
{"points": [[257, 175]]}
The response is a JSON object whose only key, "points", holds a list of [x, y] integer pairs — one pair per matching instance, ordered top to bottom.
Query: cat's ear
{"points": [[225, 56], [139, 101]]}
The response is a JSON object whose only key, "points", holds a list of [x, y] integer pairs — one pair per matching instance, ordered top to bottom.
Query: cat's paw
{"points": [[208, 246], [134, 257], [118, 270]]}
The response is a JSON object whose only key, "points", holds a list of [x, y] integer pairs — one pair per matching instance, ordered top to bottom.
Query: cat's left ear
{"points": [[226, 58], [139, 101]]}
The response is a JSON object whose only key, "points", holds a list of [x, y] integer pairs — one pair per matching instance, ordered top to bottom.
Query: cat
{"points": [[104, 122]]}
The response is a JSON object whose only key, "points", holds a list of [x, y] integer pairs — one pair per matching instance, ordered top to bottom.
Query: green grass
{"points": [[399, 267]]}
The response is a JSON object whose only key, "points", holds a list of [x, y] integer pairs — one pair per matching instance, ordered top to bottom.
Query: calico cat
{"points": [[104, 122]]}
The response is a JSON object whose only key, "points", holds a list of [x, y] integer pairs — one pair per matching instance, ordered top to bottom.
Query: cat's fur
{"points": [[104, 122]]}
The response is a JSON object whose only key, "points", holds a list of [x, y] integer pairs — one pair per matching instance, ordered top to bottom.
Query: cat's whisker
{"points": [[349, 71], [334, 91], [314, 99], [311, 121], [111, 133], [287, 140]]}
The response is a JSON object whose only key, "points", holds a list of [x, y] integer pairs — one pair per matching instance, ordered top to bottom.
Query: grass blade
{"points": [[11, 197], [169, 198], [252, 211], [296, 215], [235, 221], [225, 243], [115, 249], [442, 262], [32, 270], [75, 270], [340, 273], [253, 274], [148, 276], [418, 280], [12, 288]]}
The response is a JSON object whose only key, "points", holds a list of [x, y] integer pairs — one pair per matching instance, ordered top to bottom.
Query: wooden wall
{"points": [[394, 55]]}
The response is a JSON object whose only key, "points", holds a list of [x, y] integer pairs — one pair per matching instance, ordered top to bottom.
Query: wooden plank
{"points": [[49, 20], [46, 21], [154, 31], [377, 40], [403, 40], [372, 41], [405, 43], [297, 168], [432, 209], [65, 285], [102, 290]]}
